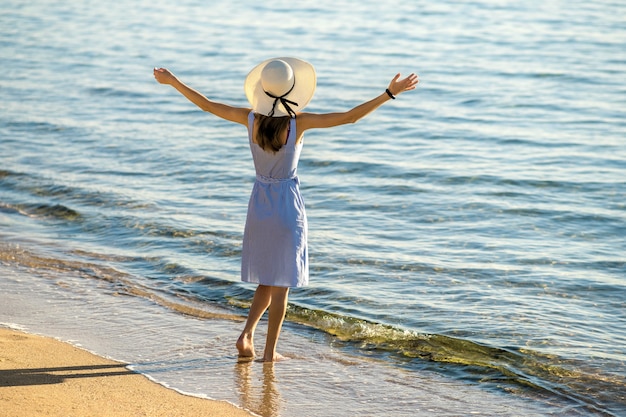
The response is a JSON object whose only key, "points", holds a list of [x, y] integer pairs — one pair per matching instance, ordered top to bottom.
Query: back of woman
{"points": [[281, 164], [274, 251]]}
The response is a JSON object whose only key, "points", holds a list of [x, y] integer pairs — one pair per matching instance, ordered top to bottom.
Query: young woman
{"points": [[274, 254]]}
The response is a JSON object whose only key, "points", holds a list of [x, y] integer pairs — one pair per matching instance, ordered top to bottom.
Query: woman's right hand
{"points": [[164, 76]]}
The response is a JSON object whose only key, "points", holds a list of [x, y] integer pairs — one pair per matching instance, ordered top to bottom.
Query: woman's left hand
{"points": [[397, 86]]}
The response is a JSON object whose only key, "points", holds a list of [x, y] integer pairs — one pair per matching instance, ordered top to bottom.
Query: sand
{"points": [[41, 376]]}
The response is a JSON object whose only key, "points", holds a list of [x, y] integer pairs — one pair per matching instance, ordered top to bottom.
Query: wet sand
{"points": [[41, 376]]}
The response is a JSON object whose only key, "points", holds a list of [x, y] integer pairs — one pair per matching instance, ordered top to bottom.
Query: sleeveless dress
{"points": [[275, 236]]}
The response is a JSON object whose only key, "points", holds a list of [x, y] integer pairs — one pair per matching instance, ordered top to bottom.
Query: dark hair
{"points": [[269, 131]]}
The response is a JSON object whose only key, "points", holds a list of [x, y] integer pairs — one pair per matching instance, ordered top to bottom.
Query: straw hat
{"points": [[280, 86]]}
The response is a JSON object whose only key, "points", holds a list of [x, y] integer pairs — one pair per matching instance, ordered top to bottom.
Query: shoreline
{"points": [[44, 376]]}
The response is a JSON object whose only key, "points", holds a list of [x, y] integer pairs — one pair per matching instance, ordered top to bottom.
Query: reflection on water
{"points": [[256, 383]]}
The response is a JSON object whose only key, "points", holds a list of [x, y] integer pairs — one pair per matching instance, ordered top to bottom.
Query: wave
{"points": [[115, 92], [35, 126], [37, 186], [56, 211], [121, 283], [511, 369]]}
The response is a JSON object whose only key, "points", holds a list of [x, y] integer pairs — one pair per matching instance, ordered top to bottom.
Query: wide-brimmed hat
{"points": [[280, 86]]}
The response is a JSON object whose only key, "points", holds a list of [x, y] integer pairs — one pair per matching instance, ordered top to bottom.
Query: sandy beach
{"points": [[40, 376]]}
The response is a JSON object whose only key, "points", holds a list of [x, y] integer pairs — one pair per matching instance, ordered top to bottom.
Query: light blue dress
{"points": [[275, 236]]}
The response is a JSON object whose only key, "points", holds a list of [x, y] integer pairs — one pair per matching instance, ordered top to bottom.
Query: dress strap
{"points": [[250, 125], [291, 131]]}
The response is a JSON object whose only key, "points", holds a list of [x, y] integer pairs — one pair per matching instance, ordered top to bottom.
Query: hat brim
{"points": [[302, 92]]}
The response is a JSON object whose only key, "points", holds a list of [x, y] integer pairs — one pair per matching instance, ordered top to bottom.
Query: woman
{"points": [[274, 254]]}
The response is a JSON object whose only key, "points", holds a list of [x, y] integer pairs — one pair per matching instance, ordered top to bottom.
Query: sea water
{"points": [[467, 241]]}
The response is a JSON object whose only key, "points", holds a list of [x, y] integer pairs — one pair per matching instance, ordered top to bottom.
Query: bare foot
{"points": [[245, 346], [276, 358]]}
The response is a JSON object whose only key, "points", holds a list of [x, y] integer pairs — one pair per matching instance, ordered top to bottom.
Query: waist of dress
{"points": [[270, 180]]}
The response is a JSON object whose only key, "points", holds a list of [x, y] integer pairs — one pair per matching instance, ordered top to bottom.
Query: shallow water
{"points": [[467, 240]]}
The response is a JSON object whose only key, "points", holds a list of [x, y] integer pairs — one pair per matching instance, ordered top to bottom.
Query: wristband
{"points": [[389, 94]]}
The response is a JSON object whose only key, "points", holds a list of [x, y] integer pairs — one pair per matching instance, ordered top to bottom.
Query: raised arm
{"points": [[397, 86], [233, 114]]}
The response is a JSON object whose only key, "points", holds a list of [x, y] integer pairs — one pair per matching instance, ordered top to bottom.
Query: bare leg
{"points": [[260, 303], [278, 308]]}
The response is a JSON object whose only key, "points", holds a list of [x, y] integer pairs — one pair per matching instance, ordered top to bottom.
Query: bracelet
{"points": [[389, 94]]}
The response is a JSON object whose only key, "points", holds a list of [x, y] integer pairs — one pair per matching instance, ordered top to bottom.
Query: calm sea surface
{"points": [[468, 240]]}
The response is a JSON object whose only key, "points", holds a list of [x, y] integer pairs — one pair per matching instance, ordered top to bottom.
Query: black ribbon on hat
{"points": [[285, 102]]}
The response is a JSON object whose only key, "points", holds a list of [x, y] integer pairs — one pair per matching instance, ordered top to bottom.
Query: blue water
{"points": [[467, 240]]}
